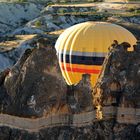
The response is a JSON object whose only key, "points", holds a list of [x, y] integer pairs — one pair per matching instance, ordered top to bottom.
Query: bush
{"points": [[23, 0], [50, 3], [131, 10], [62, 11], [137, 11], [38, 23]]}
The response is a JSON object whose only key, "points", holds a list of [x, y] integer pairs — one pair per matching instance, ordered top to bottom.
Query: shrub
{"points": [[23, 0], [50, 3], [131, 10], [62, 11], [137, 11], [38, 23]]}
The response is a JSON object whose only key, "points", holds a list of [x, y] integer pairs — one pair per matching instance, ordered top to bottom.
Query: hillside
{"points": [[16, 15]]}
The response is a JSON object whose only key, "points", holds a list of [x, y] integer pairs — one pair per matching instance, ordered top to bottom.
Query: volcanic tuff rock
{"points": [[13, 15], [52, 22], [13, 47], [120, 76], [38, 82], [39, 88], [103, 130]]}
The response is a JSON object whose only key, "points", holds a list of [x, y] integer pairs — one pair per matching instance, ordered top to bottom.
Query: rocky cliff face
{"points": [[36, 76], [121, 80], [35, 88], [39, 88]]}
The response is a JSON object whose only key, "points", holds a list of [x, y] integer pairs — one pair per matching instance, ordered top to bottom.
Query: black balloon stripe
{"points": [[82, 60]]}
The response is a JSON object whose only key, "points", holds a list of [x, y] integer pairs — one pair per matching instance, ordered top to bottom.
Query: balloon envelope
{"points": [[82, 48]]}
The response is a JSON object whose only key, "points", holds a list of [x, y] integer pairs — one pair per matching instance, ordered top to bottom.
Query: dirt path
{"points": [[101, 4], [130, 115]]}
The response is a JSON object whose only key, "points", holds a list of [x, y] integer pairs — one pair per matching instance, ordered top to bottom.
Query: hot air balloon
{"points": [[81, 49]]}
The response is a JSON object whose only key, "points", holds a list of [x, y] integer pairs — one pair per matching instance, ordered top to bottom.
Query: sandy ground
{"points": [[105, 5], [9, 45]]}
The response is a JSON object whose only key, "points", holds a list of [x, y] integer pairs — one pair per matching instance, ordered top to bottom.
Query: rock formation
{"points": [[16, 14], [119, 80], [36, 87], [34, 92]]}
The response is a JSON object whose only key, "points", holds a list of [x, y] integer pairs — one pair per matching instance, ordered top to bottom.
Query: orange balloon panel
{"points": [[73, 72]]}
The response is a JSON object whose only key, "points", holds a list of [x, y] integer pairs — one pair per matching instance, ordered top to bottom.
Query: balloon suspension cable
{"points": [[97, 102]]}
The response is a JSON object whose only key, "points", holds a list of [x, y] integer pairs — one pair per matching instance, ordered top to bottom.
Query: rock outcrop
{"points": [[13, 15], [119, 80], [38, 84], [34, 88]]}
